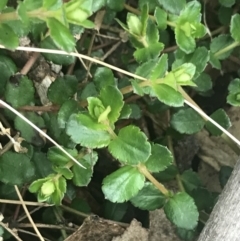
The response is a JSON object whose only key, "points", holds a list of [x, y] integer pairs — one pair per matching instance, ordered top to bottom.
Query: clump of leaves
{"points": [[93, 117]]}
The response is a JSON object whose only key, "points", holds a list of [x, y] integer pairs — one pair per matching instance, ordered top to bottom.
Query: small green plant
{"points": [[92, 118]]}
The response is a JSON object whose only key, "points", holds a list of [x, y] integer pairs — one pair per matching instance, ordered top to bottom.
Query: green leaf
{"points": [[227, 3], [3, 4], [52, 4], [31, 5], [115, 5], [173, 6], [191, 12], [22, 13], [225, 15], [161, 18], [134, 24], [234, 26], [152, 33], [60, 35], [8, 38], [47, 43], [185, 43], [220, 43], [148, 53], [199, 58], [214, 61], [7, 68], [145, 69], [159, 70], [103, 77], [203, 82], [62, 89], [88, 91], [16, 93], [168, 95], [111, 96], [233, 97], [69, 107], [95, 107], [221, 117], [187, 121], [84, 130], [27, 132], [130, 146], [57, 157], [159, 159], [42, 165], [16, 168], [64, 171], [166, 175], [224, 175], [81, 176], [190, 180], [37, 184], [123, 184], [47, 188], [60, 190], [148, 198], [203, 199], [115, 211], [182, 211]]}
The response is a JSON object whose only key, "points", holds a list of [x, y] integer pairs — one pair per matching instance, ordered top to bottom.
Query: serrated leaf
{"points": [[227, 3], [173, 6], [191, 12], [161, 18], [134, 24], [234, 26], [152, 33], [60, 35], [8, 38], [47, 43], [185, 43], [220, 43], [148, 53], [214, 61], [7, 68], [160, 68], [145, 69], [103, 77], [203, 82], [234, 86], [62, 89], [19, 91], [168, 95], [111, 96], [69, 107], [95, 107], [221, 117], [187, 121], [84, 130], [27, 132], [130, 146], [57, 157], [159, 159], [16, 168], [166, 175], [82, 177], [190, 180], [37, 184], [123, 184], [60, 190], [148, 198], [203, 199], [182, 211]]}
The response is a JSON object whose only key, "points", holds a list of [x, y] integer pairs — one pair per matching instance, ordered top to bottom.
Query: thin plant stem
{"points": [[40, 131], [143, 169]]}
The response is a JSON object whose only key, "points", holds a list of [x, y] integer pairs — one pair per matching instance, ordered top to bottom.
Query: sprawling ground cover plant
{"points": [[92, 109]]}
